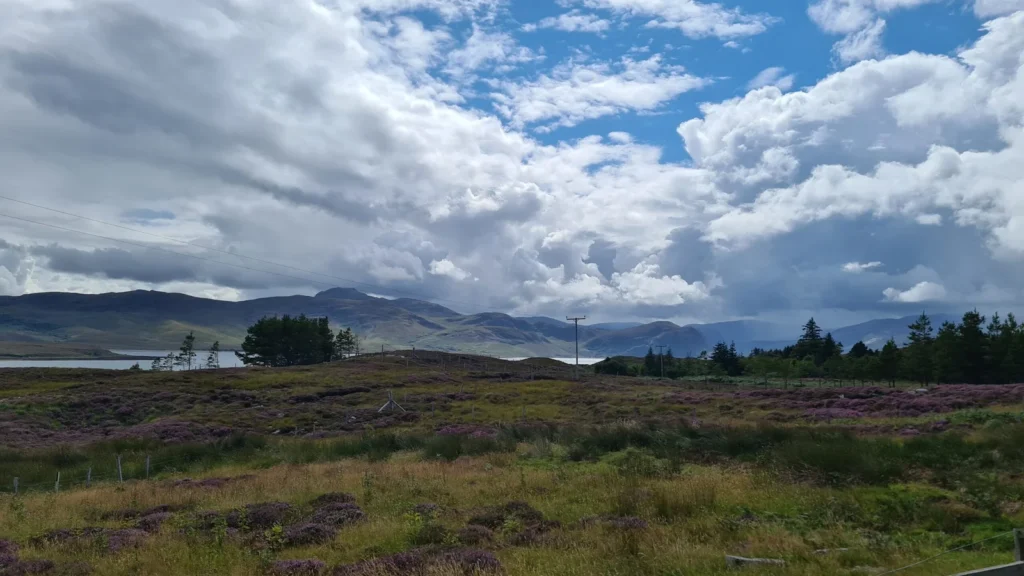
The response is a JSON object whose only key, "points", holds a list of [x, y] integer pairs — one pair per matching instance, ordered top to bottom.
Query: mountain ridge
{"points": [[149, 319]]}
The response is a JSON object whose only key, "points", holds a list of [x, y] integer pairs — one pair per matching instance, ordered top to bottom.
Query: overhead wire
{"points": [[941, 554]]}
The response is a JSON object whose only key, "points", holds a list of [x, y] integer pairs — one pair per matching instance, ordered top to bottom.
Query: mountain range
{"points": [[159, 320]]}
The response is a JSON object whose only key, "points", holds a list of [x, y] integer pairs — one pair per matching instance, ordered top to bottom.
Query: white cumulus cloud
{"points": [[694, 19], [574, 21], [861, 23], [774, 76], [576, 91], [860, 267], [448, 268], [923, 292]]}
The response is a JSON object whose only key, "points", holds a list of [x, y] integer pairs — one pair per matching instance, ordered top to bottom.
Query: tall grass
{"points": [[824, 456]]}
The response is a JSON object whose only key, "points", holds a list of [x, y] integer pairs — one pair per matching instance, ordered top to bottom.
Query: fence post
{"points": [[147, 467], [88, 477], [120, 477], [15, 485], [56, 485], [1018, 535]]}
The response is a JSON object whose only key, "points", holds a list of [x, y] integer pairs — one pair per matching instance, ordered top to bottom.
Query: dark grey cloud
{"points": [[158, 267]]}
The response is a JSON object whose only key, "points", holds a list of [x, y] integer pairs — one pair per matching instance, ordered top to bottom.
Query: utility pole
{"points": [[576, 321], [661, 356]]}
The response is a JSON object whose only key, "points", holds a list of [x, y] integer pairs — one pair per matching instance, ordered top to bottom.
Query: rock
{"points": [[830, 550], [741, 562]]}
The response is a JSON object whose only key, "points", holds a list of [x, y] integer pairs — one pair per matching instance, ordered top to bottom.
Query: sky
{"points": [[624, 159]]}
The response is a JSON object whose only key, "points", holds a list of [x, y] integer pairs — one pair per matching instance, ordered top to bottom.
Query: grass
{"points": [[642, 476], [697, 515]]}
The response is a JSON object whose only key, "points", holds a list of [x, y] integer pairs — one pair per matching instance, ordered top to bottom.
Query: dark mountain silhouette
{"points": [[616, 325], [876, 333], [684, 341]]}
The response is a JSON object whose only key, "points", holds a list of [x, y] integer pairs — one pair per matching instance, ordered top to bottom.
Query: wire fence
{"points": [[136, 466], [114, 470], [1016, 535]]}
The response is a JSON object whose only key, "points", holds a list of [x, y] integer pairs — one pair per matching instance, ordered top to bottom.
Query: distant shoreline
{"points": [[61, 351]]}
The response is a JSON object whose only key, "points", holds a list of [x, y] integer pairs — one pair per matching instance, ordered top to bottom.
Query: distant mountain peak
{"points": [[345, 294]]}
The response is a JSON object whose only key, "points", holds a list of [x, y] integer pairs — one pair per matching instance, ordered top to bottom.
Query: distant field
{"points": [[55, 351], [500, 467]]}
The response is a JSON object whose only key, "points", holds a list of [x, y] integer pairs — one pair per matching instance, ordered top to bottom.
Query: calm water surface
{"points": [[227, 360]]}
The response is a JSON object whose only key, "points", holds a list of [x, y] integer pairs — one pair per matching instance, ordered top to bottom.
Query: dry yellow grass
{"points": [[703, 520]]}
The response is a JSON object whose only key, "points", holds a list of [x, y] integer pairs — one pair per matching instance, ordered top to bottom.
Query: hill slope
{"points": [[158, 320]]}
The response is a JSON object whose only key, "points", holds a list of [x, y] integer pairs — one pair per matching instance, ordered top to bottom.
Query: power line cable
{"points": [[230, 253], [926, 560]]}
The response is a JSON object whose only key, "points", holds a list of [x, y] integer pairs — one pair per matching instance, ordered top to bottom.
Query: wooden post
{"points": [[147, 467], [88, 477], [120, 477], [15, 485], [56, 485], [1018, 535]]}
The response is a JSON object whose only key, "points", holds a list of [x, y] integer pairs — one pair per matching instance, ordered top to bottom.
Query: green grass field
{"points": [[606, 475]]}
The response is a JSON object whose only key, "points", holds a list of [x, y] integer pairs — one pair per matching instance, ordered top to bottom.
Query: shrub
{"points": [[639, 463], [332, 498], [426, 509], [339, 514], [258, 516], [496, 517], [153, 522], [308, 533], [475, 535], [118, 540], [8, 547], [470, 561], [26, 567], [297, 568]]}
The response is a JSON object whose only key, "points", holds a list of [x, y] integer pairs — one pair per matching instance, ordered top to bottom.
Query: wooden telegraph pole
{"points": [[576, 321]]}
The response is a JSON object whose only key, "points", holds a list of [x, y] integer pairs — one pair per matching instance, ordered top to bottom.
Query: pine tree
{"points": [[325, 338], [287, 341], [345, 343], [810, 343], [829, 349], [859, 350], [945, 350], [188, 351], [919, 352], [973, 352], [213, 357], [1011, 358], [650, 362], [890, 362]]}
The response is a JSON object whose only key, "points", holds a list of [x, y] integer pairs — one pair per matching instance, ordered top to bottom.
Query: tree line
{"points": [[271, 341], [295, 341], [973, 351], [186, 357]]}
